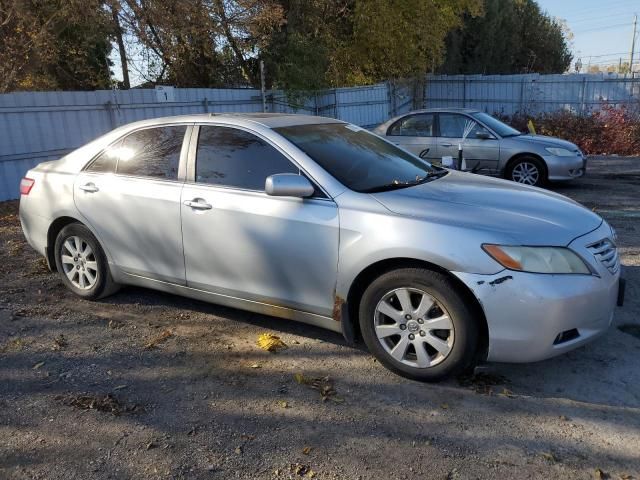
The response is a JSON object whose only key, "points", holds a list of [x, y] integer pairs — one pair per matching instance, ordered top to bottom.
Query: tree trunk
{"points": [[123, 53]]}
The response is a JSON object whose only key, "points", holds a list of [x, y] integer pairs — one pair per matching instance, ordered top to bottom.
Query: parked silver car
{"points": [[489, 146], [317, 220]]}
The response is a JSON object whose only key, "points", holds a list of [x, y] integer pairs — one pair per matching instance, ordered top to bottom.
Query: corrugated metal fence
{"points": [[532, 94], [35, 127]]}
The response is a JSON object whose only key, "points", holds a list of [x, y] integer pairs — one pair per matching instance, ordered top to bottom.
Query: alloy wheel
{"points": [[525, 172], [79, 262], [413, 327]]}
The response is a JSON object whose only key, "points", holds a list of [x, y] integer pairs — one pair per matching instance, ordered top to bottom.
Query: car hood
{"points": [[545, 141], [507, 210]]}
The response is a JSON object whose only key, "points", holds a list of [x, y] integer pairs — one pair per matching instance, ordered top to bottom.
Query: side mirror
{"points": [[484, 136], [288, 185]]}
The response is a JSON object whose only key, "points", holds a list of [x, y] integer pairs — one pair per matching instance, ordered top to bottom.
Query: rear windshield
{"points": [[357, 158]]}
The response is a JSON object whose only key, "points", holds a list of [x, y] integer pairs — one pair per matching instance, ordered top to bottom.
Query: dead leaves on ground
{"points": [[157, 340], [59, 342], [270, 343], [483, 383], [323, 385], [107, 403]]}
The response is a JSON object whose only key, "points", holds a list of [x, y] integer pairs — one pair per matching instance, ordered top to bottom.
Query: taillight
{"points": [[26, 184]]}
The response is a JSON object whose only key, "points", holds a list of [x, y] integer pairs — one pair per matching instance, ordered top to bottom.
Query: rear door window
{"points": [[420, 125], [152, 152]]}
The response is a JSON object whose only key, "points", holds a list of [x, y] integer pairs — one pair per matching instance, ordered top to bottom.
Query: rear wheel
{"points": [[528, 171], [82, 264], [417, 325]]}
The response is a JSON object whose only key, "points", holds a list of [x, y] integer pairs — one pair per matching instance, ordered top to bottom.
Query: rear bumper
{"points": [[35, 227], [532, 317]]}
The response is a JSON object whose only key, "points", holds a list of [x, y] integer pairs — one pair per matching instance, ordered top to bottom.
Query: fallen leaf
{"points": [[115, 324], [59, 342], [154, 342], [270, 343], [38, 365], [256, 365], [322, 384], [507, 393], [283, 404], [444, 406], [564, 418], [150, 445], [238, 450], [306, 450], [549, 456], [599, 474], [625, 476]]}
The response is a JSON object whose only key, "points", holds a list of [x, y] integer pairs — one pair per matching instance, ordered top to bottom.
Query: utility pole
{"points": [[633, 43]]}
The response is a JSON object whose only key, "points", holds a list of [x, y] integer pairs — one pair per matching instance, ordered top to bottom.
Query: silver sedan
{"points": [[489, 146], [319, 221]]}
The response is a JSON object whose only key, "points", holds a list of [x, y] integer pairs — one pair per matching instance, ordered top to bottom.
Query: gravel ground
{"points": [[148, 385]]}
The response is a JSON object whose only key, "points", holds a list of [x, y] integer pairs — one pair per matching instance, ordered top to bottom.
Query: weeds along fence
{"points": [[40, 126]]}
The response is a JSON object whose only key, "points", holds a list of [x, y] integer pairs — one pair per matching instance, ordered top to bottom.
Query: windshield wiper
{"points": [[397, 184]]}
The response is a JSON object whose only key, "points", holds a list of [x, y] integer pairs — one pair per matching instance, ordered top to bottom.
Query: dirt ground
{"points": [[148, 385]]}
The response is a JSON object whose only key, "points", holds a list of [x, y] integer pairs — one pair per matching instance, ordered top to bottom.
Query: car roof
{"points": [[445, 109], [269, 120]]}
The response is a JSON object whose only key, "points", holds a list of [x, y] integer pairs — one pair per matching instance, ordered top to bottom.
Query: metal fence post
{"points": [[464, 91], [582, 95], [205, 104], [112, 114]]}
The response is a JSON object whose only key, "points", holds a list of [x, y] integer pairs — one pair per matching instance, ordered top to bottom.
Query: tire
{"points": [[528, 171], [89, 268], [456, 346]]}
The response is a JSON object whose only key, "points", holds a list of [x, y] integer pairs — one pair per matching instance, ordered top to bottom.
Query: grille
{"points": [[607, 253]]}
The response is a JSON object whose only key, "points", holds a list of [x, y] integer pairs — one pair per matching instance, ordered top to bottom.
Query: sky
{"points": [[602, 29]]}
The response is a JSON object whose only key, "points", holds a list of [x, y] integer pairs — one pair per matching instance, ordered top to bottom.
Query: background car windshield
{"points": [[496, 125], [358, 159]]}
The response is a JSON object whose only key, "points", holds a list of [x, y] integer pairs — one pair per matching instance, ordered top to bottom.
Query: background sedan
{"points": [[489, 146]]}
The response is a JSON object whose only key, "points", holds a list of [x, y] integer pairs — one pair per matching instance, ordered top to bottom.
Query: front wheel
{"points": [[528, 171], [82, 264], [417, 325]]}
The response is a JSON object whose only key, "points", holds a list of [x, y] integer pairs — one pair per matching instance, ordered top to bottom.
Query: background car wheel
{"points": [[528, 171], [82, 264], [417, 325]]}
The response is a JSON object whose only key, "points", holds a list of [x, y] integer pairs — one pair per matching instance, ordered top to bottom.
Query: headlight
{"points": [[560, 152], [537, 259]]}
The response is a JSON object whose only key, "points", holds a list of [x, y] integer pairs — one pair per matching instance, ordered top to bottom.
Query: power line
{"points": [[626, 24]]}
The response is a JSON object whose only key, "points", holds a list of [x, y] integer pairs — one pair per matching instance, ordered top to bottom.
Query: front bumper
{"points": [[565, 168], [532, 317]]}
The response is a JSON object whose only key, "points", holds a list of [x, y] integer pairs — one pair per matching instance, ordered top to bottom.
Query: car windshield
{"points": [[496, 125], [358, 159]]}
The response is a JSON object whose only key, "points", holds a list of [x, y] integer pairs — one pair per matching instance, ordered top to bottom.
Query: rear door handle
{"points": [[446, 145], [89, 187], [198, 205]]}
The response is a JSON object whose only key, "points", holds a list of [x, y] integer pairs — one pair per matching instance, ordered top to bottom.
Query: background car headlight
{"points": [[560, 152], [537, 259]]}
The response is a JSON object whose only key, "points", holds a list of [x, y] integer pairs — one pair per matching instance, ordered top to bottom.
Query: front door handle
{"points": [[446, 145], [89, 187], [198, 205]]}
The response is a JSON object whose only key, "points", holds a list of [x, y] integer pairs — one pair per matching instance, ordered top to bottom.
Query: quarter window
{"points": [[420, 125], [153, 152], [235, 158], [106, 161]]}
